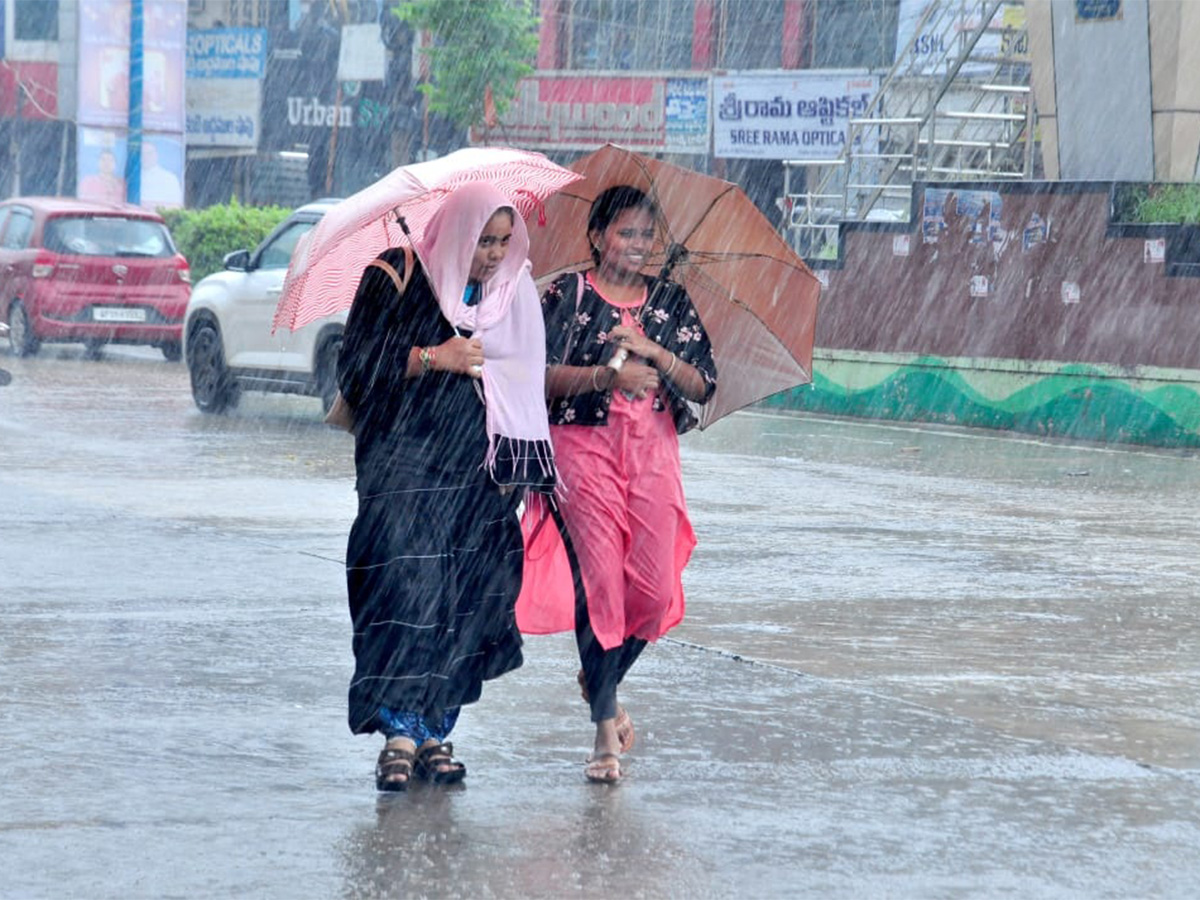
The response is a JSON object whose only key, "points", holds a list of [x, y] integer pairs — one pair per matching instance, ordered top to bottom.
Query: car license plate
{"points": [[118, 314]]}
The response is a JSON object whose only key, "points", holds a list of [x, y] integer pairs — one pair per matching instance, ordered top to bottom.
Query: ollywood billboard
{"points": [[654, 112]]}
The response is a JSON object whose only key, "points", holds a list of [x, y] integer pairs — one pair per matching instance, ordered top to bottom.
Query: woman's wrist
{"points": [[428, 359], [667, 366], [602, 377]]}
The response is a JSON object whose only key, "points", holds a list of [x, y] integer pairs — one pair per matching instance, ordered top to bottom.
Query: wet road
{"points": [[916, 663]]}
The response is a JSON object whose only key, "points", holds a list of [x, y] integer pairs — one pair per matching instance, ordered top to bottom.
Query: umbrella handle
{"points": [[400, 220]]}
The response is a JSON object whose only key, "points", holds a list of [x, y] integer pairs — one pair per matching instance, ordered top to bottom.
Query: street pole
{"points": [[333, 139], [15, 144], [133, 154]]}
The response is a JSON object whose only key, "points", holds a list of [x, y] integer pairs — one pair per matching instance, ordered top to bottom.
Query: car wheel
{"points": [[20, 331], [93, 348], [172, 351], [327, 383], [213, 388]]}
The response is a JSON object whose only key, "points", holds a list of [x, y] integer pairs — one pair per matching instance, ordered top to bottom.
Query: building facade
{"points": [[1115, 83]]}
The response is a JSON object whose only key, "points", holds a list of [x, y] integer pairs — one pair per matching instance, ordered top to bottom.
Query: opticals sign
{"points": [[227, 53], [788, 115]]}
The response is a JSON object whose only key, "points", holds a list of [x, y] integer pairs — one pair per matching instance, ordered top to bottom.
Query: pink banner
{"points": [[31, 87]]}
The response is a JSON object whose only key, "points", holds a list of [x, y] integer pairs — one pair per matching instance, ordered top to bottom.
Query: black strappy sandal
{"points": [[430, 760], [392, 763]]}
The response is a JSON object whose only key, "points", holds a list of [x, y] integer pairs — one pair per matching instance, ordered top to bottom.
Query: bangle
{"points": [[426, 357], [433, 357], [671, 367], [595, 372]]}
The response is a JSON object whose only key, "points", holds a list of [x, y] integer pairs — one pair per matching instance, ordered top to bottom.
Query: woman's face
{"points": [[625, 244], [492, 246]]}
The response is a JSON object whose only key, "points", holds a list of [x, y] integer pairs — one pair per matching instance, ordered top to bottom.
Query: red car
{"points": [[92, 273]]}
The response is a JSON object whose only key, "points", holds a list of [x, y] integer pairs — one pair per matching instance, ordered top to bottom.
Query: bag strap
{"points": [[401, 282], [571, 335]]}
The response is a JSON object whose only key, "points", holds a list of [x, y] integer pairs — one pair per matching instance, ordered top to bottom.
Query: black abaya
{"points": [[434, 559]]}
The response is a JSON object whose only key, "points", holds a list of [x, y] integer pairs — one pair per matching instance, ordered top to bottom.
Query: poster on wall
{"points": [[103, 90], [583, 110], [790, 115], [100, 164], [162, 171], [973, 216]]}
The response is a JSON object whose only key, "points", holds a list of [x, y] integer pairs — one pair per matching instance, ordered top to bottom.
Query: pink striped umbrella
{"points": [[324, 271]]}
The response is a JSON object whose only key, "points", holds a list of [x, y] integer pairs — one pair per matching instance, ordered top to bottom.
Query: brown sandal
{"points": [[625, 733], [430, 760], [393, 763], [604, 768]]}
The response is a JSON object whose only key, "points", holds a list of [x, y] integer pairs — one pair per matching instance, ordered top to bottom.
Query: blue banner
{"points": [[227, 53]]}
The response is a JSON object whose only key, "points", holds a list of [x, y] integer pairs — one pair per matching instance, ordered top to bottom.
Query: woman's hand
{"points": [[628, 338], [461, 355], [635, 377], [639, 380]]}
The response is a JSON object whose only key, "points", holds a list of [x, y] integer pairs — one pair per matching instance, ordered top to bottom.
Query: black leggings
{"points": [[603, 669]]}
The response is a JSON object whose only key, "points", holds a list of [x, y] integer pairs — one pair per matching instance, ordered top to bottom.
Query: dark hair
{"points": [[613, 201]]}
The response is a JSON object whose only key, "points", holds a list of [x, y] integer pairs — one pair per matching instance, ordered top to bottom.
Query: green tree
{"points": [[477, 44]]}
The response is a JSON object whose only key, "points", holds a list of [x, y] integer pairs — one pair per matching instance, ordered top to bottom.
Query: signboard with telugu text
{"points": [[226, 53], [225, 68], [789, 115]]}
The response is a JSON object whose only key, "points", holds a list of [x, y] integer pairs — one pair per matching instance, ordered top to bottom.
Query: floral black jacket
{"points": [[577, 335]]}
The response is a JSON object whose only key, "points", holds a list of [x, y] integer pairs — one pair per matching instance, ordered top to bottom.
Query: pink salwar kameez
{"points": [[623, 505], [624, 508]]}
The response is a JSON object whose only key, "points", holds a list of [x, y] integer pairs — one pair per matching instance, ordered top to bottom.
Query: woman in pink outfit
{"points": [[624, 352]]}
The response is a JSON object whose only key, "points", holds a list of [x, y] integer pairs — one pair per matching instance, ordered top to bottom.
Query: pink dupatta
{"points": [[508, 322]]}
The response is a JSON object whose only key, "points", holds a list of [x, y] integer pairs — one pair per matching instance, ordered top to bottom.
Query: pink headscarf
{"points": [[508, 322]]}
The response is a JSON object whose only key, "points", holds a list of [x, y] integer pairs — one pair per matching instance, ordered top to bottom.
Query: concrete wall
{"points": [[1052, 278], [1015, 306]]}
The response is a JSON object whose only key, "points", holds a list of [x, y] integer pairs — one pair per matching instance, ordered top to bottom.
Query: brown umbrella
{"points": [[756, 297]]}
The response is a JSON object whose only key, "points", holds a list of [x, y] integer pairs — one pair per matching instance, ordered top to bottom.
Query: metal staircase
{"points": [[961, 109]]}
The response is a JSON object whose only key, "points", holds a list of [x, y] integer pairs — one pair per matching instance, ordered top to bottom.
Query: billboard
{"points": [[934, 48], [225, 70], [103, 92], [653, 112], [800, 114], [100, 162]]}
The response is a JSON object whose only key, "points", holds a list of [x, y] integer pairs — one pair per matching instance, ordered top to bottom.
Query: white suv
{"points": [[227, 339]]}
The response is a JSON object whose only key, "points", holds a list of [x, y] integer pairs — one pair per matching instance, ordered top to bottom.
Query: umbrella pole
{"points": [[676, 253]]}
